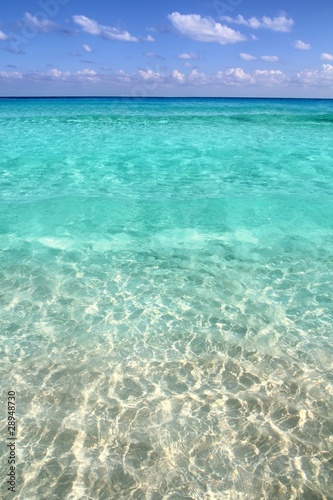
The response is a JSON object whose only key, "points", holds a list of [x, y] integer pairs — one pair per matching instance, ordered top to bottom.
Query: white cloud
{"points": [[253, 22], [280, 23], [41, 25], [93, 28], [204, 29], [3, 36], [149, 38], [301, 45], [87, 48], [188, 56], [247, 57], [326, 57], [269, 58], [327, 69], [56, 73], [11, 75], [85, 75], [122, 76], [150, 76], [178, 76], [234, 76], [238, 77], [269, 77], [197, 78], [316, 78], [150, 79], [147, 80]]}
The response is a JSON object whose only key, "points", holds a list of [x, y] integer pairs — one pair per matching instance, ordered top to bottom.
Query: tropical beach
{"points": [[166, 279], [167, 322]]}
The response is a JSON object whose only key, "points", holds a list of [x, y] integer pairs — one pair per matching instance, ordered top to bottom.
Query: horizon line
{"points": [[161, 97]]}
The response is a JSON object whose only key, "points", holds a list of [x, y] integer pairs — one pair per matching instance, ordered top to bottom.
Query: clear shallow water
{"points": [[167, 297]]}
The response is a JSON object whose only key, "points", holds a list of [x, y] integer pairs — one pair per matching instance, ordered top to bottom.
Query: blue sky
{"points": [[175, 48]]}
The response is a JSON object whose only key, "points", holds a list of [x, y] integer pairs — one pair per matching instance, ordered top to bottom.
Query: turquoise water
{"points": [[166, 308]]}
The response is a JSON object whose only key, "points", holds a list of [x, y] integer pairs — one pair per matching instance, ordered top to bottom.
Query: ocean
{"points": [[166, 310]]}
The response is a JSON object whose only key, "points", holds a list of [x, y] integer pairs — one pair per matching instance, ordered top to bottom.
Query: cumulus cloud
{"points": [[281, 23], [204, 29], [109, 33], [4, 37], [149, 38], [301, 45], [87, 48], [247, 57], [326, 57], [269, 58], [54, 74], [86, 74], [89, 74], [11, 75], [151, 76], [178, 76], [234, 76], [122, 77], [238, 77], [269, 77], [196, 78], [316, 78], [148, 80]]}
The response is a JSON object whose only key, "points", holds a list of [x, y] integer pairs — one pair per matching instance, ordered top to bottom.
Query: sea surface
{"points": [[166, 298]]}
